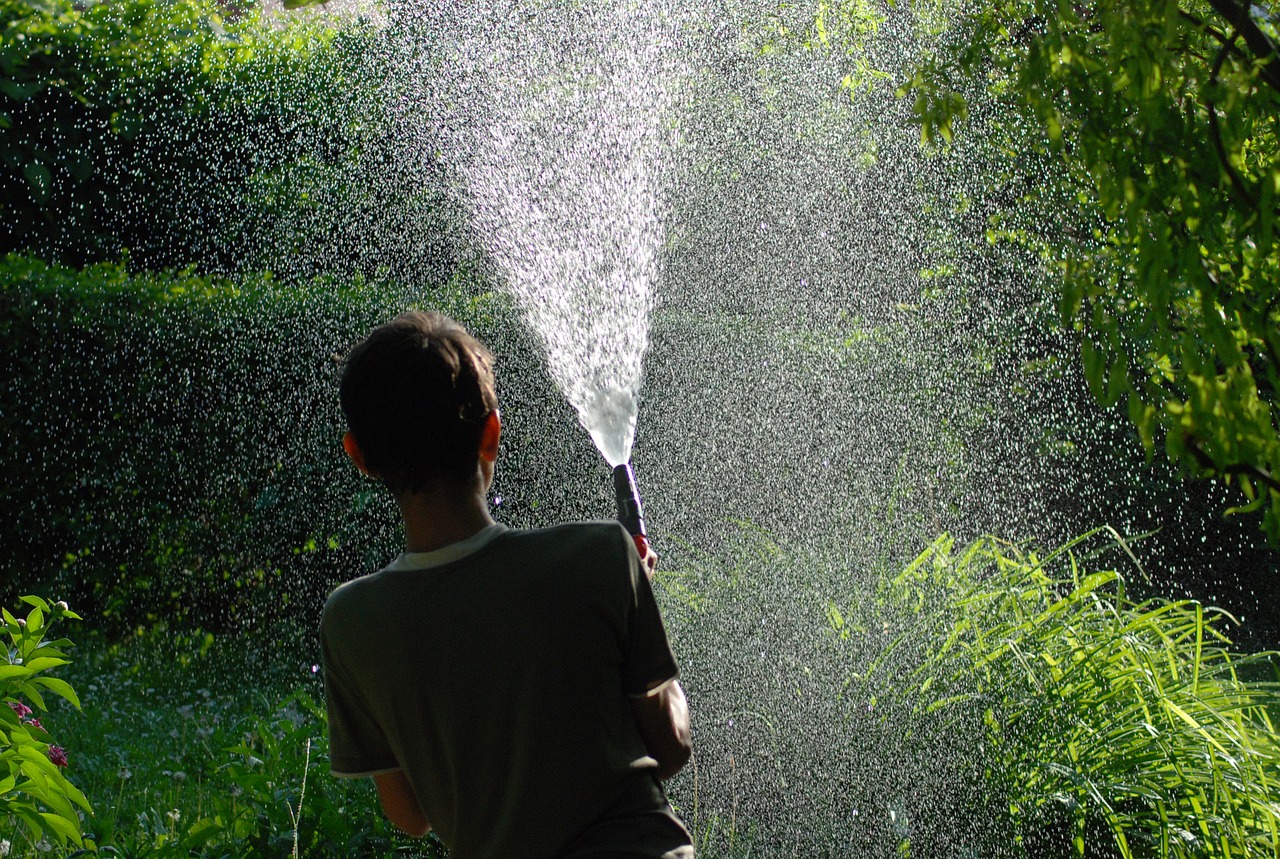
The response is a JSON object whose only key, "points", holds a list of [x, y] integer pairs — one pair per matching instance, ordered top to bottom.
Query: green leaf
{"points": [[20, 91], [127, 125], [1053, 127], [81, 168], [40, 182], [1267, 213], [1091, 358], [1117, 380], [1143, 416], [44, 663], [9, 672], [60, 687], [37, 700], [37, 785], [74, 793], [62, 828], [201, 832]]}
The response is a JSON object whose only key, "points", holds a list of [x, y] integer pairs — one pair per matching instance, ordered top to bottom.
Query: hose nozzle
{"points": [[630, 513]]}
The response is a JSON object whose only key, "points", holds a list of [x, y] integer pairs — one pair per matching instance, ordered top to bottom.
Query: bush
{"points": [[163, 130], [172, 441], [1108, 725], [33, 789]]}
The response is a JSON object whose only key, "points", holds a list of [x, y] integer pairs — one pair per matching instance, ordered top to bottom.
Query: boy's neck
{"points": [[438, 518]]}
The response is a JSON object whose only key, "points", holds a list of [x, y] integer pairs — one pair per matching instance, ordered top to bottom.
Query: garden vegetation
{"points": [[1150, 131], [152, 154]]}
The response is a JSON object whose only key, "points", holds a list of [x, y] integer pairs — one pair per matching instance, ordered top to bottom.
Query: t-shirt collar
{"points": [[450, 553]]}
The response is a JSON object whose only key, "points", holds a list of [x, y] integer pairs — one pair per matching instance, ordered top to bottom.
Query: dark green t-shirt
{"points": [[496, 673]]}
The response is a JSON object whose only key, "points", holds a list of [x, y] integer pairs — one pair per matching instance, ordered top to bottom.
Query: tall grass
{"points": [[1111, 725]]}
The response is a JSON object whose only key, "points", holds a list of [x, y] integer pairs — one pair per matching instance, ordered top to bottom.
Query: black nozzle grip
{"points": [[630, 513]]}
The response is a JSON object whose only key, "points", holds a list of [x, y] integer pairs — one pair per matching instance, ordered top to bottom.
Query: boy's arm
{"points": [[661, 712], [663, 719], [400, 804]]}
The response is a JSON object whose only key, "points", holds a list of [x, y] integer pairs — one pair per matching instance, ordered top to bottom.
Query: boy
{"points": [[513, 690]]}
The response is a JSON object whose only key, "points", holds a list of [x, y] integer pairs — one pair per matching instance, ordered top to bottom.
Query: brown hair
{"points": [[416, 393]]}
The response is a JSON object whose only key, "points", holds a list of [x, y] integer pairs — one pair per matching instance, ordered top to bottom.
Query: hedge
{"points": [[162, 130], [172, 441]]}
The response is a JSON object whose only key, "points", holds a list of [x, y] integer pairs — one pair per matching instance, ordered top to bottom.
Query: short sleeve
{"points": [[649, 663], [357, 744]]}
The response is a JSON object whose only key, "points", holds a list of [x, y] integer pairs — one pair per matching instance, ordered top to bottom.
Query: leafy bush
{"points": [[164, 130], [172, 441], [1109, 725], [274, 759], [33, 789]]}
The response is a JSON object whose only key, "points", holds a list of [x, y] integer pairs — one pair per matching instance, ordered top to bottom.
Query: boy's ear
{"points": [[490, 436], [352, 447]]}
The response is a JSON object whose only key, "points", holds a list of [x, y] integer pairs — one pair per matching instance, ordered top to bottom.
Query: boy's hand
{"points": [[650, 561], [663, 719]]}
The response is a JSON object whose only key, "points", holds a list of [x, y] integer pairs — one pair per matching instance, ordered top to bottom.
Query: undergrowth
{"points": [[194, 746]]}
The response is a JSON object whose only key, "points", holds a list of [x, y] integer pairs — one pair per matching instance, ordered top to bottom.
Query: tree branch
{"points": [[1200, 24], [1259, 43], [1215, 132], [1206, 462]]}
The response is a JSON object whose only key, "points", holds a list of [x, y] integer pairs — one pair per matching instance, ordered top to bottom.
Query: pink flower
{"points": [[21, 709], [33, 723], [58, 755]]}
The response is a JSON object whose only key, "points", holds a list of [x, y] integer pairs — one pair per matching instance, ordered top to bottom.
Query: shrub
{"points": [[172, 441], [1109, 725], [33, 788], [264, 789]]}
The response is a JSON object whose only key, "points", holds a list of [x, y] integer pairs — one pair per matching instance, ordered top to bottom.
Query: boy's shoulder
{"points": [[603, 532], [603, 540], [565, 546], [572, 554], [349, 598]]}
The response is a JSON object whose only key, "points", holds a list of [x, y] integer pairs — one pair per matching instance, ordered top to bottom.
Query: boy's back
{"points": [[512, 653]]}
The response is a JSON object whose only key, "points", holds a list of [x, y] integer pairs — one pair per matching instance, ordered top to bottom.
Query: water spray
{"points": [[566, 182], [608, 413], [630, 513]]}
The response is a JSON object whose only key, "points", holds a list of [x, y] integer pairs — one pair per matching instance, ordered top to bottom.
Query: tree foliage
{"points": [[114, 109], [1154, 130], [168, 132], [170, 449]]}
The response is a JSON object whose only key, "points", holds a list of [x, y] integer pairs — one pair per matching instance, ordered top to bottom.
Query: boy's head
{"points": [[417, 393]]}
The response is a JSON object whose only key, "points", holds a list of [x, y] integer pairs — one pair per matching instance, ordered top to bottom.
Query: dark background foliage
{"points": [[172, 181], [162, 436]]}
